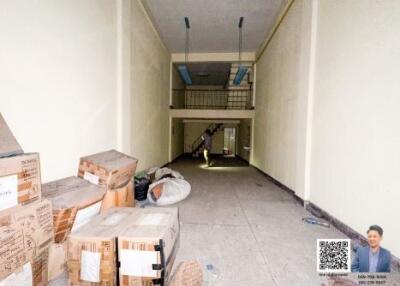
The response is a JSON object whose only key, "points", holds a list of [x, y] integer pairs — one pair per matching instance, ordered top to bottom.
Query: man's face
{"points": [[374, 239]]}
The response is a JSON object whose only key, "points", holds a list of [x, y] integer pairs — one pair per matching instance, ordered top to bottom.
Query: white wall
{"points": [[58, 78], [150, 89], [281, 100], [327, 101], [177, 126], [356, 131], [177, 135], [244, 138]]}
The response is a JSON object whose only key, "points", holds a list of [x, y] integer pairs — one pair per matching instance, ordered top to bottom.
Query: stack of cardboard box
{"points": [[104, 180], [26, 226], [99, 235]]}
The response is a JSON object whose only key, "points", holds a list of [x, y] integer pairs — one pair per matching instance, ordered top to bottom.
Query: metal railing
{"points": [[212, 99]]}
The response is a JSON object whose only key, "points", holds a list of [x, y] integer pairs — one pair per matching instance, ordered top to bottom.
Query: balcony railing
{"points": [[212, 99]]}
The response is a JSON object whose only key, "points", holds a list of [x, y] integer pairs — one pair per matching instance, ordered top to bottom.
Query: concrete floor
{"points": [[247, 229]]}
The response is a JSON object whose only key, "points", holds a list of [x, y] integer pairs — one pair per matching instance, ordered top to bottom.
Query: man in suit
{"points": [[373, 257]]}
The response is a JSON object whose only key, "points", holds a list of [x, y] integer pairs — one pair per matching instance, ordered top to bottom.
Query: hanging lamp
{"points": [[183, 69], [242, 70]]}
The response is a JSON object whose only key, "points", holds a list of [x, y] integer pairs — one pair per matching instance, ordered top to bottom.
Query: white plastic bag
{"points": [[167, 171], [174, 190]]}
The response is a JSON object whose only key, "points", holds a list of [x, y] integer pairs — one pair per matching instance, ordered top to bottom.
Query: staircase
{"points": [[246, 82], [239, 96], [198, 144]]}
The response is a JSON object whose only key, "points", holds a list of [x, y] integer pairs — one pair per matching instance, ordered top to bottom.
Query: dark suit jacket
{"points": [[361, 260]]}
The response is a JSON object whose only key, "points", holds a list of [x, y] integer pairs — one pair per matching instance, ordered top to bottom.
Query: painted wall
{"points": [[58, 79], [150, 89], [327, 93], [281, 100], [177, 127], [194, 129], [356, 132], [177, 135], [244, 139]]}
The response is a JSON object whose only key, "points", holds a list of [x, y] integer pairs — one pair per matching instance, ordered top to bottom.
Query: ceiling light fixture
{"points": [[183, 69], [242, 70], [203, 74]]}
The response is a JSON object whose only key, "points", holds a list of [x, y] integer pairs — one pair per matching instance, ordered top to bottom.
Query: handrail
{"points": [[215, 90], [239, 99]]}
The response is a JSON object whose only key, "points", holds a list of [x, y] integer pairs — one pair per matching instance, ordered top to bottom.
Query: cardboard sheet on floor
{"points": [[9, 146]]}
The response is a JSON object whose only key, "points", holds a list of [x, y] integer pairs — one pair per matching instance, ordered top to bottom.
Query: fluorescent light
{"points": [[183, 70], [240, 75]]}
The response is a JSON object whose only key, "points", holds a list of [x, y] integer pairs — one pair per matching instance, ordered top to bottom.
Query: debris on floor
{"points": [[162, 173], [142, 184], [161, 186], [312, 220], [188, 273], [211, 275]]}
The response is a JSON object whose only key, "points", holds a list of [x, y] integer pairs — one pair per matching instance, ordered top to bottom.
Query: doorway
{"points": [[229, 141]]}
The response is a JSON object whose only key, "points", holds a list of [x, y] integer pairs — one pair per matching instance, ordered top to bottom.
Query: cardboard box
{"points": [[8, 144], [110, 169], [20, 182], [69, 196], [121, 197], [137, 232], [25, 233], [151, 240], [57, 260], [31, 273]]}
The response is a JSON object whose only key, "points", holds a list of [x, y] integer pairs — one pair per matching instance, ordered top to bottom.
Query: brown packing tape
{"points": [[95, 170], [24, 186], [121, 197], [63, 221], [40, 269]]}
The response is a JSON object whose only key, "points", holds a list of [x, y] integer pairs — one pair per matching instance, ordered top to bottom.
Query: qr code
{"points": [[333, 255]]}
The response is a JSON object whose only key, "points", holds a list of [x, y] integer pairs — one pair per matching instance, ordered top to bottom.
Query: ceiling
{"points": [[213, 23], [207, 73]]}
